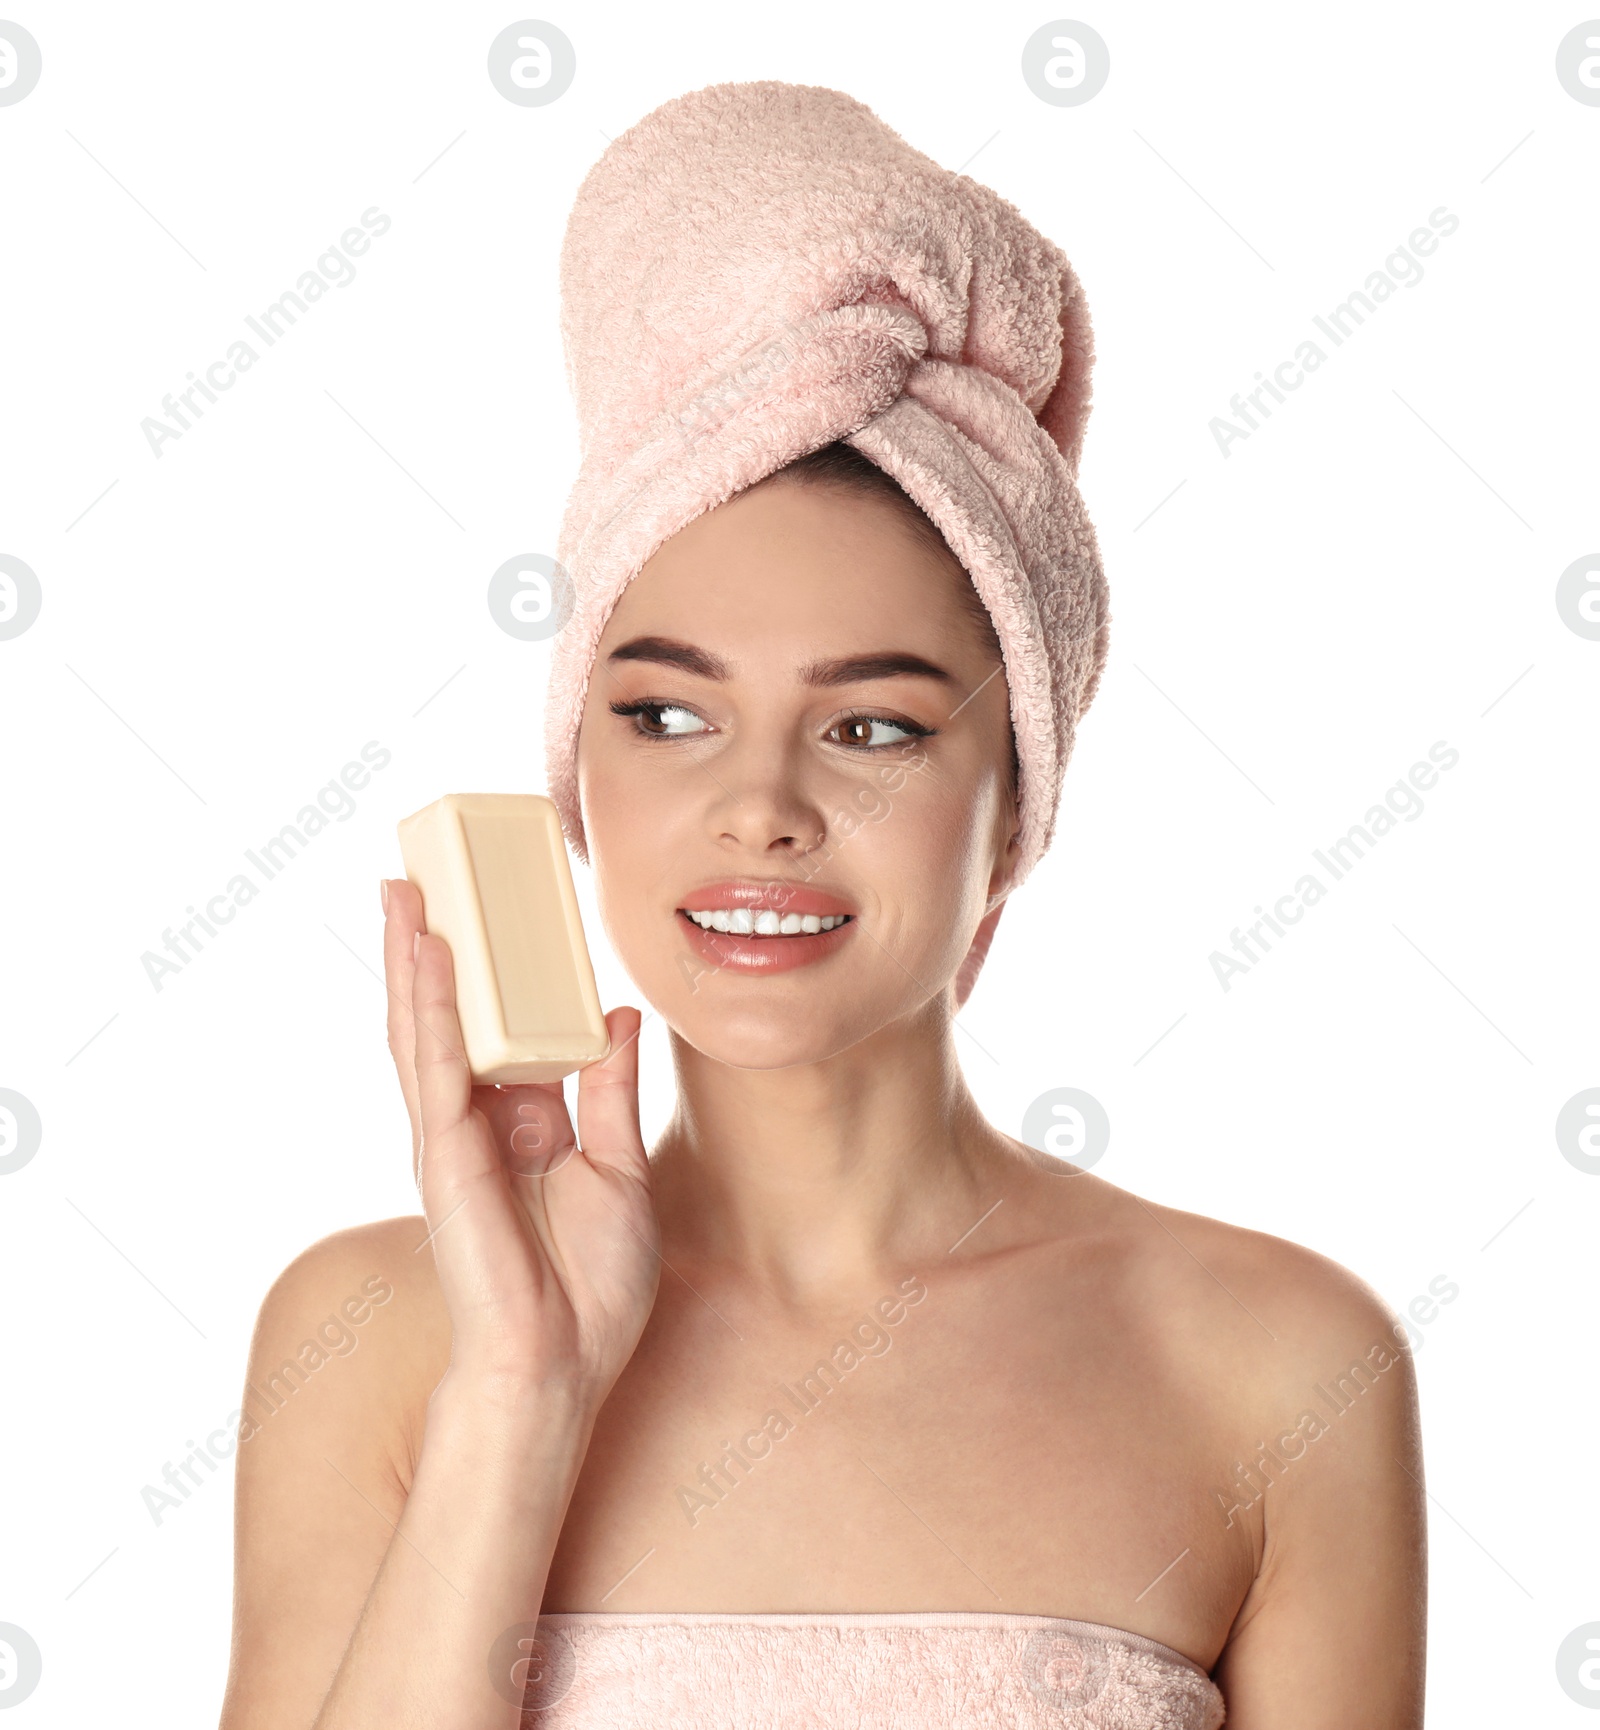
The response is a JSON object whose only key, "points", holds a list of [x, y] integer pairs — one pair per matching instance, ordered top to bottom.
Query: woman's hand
{"points": [[546, 1243]]}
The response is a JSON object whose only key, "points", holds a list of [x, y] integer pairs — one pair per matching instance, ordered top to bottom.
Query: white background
{"points": [[1372, 571]]}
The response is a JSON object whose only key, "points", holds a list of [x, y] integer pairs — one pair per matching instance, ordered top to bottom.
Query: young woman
{"points": [[839, 1405]]}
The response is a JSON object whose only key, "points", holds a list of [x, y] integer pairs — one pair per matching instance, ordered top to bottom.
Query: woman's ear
{"points": [[1005, 869], [972, 964]]}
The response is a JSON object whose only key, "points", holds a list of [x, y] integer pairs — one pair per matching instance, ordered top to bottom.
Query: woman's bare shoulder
{"points": [[388, 1239], [1290, 1312], [356, 1318], [350, 1341], [1303, 1402]]}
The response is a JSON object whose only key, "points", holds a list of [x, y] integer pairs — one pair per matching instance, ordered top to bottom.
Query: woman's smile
{"points": [[766, 927]]}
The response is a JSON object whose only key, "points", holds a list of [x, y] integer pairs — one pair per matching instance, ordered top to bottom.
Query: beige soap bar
{"points": [[496, 886]]}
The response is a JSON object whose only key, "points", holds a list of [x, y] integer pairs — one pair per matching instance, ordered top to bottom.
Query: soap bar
{"points": [[496, 886]]}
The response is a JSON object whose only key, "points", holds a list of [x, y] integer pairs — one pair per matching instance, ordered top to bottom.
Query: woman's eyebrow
{"points": [[671, 653], [846, 670]]}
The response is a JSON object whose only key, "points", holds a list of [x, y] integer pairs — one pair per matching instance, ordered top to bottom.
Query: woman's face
{"points": [[793, 713]]}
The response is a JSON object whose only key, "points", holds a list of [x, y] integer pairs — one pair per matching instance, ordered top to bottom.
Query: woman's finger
{"points": [[402, 920], [444, 1083], [608, 1099]]}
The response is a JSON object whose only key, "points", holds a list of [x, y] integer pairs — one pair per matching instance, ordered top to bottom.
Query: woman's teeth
{"points": [[742, 922]]}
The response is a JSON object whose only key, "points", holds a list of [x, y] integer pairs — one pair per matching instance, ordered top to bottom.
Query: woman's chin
{"points": [[749, 1040]]}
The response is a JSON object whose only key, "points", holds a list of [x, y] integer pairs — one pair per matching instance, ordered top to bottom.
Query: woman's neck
{"points": [[821, 1177]]}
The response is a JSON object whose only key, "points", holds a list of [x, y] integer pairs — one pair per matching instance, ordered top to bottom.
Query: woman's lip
{"points": [[771, 896], [739, 954]]}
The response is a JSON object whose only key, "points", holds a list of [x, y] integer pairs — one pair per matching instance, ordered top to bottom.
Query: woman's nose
{"points": [[764, 797]]}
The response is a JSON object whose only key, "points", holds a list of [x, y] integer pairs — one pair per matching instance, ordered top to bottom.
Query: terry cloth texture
{"points": [[755, 270], [931, 1671]]}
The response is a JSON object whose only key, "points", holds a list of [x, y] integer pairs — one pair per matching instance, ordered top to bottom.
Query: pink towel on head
{"points": [[755, 270], [916, 1671]]}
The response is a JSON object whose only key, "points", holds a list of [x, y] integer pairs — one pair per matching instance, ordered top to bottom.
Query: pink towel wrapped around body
{"points": [[755, 270], [928, 1671]]}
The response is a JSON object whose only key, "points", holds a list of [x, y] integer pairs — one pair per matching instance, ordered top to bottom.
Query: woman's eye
{"points": [[666, 720], [859, 730]]}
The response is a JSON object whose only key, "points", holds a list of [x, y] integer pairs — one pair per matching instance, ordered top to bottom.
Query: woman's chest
{"points": [[916, 1456]]}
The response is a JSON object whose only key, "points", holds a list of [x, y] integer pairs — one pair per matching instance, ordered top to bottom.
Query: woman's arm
{"points": [[467, 1564], [341, 1573], [370, 1594], [1332, 1631]]}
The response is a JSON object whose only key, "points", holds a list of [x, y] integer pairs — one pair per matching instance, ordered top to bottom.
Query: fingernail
{"points": [[383, 891], [416, 946]]}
